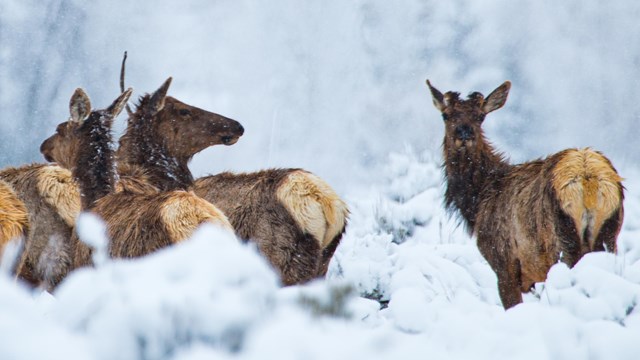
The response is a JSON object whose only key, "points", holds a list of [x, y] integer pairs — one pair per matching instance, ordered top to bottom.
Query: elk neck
{"points": [[142, 150], [95, 167], [469, 172]]}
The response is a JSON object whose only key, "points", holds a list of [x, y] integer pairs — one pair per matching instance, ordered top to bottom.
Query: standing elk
{"points": [[294, 217], [526, 217], [138, 221]]}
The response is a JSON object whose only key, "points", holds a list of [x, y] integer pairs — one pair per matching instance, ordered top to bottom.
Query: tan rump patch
{"points": [[588, 188], [58, 189], [314, 205], [183, 212], [14, 219]]}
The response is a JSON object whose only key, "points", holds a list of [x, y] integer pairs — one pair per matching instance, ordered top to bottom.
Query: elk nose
{"points": [[240, 129], [464, 132], [44, 150]]}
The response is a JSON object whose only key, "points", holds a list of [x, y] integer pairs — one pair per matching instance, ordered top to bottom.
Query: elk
{"points": [[52, 201], [294, 217], [525, 217], [138, 222], [14, 225]]}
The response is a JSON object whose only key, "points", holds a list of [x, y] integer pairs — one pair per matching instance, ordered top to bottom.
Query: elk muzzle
{"points": [[464, 132], [233, 134], [463, 136], [45, 150]]}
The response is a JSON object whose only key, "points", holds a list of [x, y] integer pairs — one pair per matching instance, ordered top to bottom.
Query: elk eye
{"points": [[184, 112], [445, 117]]}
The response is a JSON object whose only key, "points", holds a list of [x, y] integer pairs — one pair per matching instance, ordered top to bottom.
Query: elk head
{"points": [[463, 118], [184, 130], [65, 145]]}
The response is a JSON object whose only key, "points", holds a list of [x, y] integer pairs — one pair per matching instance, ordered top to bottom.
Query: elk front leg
{"points": [[497, 252]]}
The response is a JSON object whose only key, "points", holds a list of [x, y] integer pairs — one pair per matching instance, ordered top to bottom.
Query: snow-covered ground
{"points": [[213, 298]]}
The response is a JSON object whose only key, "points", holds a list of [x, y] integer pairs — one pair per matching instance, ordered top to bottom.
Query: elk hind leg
{"points": [[606, 238], [327, 254], [297, 261], [510, 284]]}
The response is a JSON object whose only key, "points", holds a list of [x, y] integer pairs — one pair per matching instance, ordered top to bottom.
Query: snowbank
{"points": [[405, 283]]}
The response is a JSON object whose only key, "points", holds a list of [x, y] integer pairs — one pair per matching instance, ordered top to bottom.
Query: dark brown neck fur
{"points": [[142, 147], [95, 166], [468, 173]]}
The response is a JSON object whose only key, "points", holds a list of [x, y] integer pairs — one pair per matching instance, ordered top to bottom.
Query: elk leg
{"points": [[609, 232], [293, 254], [327, 254], [21, 258], [301, 261], [503, 264], [28, 274], [509, 284]]}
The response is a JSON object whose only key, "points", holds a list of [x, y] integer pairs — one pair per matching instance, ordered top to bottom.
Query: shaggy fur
{"points": [[59, 190], [53, 202], [526, 217], [141, 219], [165, 219], [14, 221]]}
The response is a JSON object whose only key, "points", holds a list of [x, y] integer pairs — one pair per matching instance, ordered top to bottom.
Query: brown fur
{"points": [[136, 181], [53, 202], [261, 207], [526, 217], [140, 218], [166, 218], [14, 222]]}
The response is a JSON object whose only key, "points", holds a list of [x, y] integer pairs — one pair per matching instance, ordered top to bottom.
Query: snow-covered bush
{"points": [[405, 213], [207, 290]]}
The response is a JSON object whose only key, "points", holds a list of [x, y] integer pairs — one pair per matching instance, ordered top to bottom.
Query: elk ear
{"points": [[438, 98], [497, 98], [156, 103], [79, 105], [117, 106]]}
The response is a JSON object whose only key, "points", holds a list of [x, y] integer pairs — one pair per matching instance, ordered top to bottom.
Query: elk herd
{"points": [[525, 217]]}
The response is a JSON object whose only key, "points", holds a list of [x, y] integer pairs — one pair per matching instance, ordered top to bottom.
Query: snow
{"points": [[337, 88], [93, 232], [207, 290], [213, 297]]}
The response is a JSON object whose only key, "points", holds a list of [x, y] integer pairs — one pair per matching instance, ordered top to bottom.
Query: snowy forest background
{"points": [[337, 88]]}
